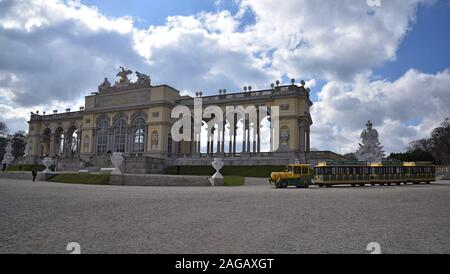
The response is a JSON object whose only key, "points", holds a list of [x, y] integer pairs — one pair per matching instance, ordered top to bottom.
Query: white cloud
{"points": [[332, 39], [53, 53], [403, 110]]}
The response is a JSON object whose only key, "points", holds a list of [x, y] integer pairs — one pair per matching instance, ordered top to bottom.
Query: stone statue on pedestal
{"points": [[143, 80], [105, 85], [370, 150], [8, 157]]}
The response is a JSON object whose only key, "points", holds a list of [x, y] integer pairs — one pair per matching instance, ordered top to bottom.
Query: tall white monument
{"points": [[370, 150], [8, 157]]}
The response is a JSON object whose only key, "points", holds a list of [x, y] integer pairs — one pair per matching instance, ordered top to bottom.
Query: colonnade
{"points": [[59, 144]]}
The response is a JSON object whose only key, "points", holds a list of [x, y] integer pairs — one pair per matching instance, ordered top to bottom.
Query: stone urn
{"points": [[117, 160], [48, 161], [217, 178]]}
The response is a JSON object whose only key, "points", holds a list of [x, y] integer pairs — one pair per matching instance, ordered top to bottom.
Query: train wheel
{"points": [[283, 184], [372, 184], [353, 185], [362, 185]]}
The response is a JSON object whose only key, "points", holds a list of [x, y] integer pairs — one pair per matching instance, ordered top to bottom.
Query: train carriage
{"points": [[341, 172], [383, 173]]}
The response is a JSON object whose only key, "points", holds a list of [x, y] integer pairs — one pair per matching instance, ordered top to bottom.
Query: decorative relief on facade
{"points": [[135, 98], [284, 107], [284, 138], [154, 140], [86, 143]]}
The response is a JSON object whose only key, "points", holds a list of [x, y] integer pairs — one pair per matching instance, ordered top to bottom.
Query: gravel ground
{"points": [[43, 217]]}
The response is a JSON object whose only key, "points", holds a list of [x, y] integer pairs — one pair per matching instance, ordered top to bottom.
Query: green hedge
{"points": [[28, 167], [242, 171], [81, 178], [234, 181]]}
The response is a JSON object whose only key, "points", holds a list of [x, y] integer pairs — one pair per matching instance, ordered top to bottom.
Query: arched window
{"points": [[138, 134], [119, 135], [102, 136], [59, 141], [72, 141]]}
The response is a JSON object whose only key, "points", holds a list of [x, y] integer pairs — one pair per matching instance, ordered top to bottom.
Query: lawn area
{"points": [[26, 167], [242, 171], [81, 178], [234, 181]]}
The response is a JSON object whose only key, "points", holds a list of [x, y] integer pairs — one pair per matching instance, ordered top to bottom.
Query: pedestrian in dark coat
{"points": [[34, 173]]}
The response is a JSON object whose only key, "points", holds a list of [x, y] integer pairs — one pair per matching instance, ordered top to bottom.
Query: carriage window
{"points": [[297, 170], [305, 170]]}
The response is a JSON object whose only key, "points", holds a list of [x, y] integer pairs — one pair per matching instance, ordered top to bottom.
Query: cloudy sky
{"points": [[388, 63]]}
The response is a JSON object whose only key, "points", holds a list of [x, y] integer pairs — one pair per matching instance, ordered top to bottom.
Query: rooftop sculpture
{"points": [[143, 81]]}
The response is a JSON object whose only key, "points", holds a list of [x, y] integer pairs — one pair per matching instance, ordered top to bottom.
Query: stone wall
{"points": [[144, 165], [158, 180]]}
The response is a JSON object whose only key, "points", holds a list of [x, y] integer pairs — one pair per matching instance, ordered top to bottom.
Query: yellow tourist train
{"points": [[355, 173]]}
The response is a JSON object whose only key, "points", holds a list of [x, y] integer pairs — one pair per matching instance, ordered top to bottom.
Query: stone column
{"points": [[258, 132], [79, 134], [234, 135], [244, 136], [248, 136], [146, 138], [223, 138], [302, 139], [93, 142], [219, 143], [37, 144], [207, 144], [110, 145], [199, 145], [66, 147], [128, 148], [308, 148], [192, 150], [51, 152]]}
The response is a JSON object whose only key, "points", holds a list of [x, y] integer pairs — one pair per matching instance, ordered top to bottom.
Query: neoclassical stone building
{"points": [[135, 118]]}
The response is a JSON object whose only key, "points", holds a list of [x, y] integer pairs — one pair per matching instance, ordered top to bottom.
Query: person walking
{"points": [[34, 173]]}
